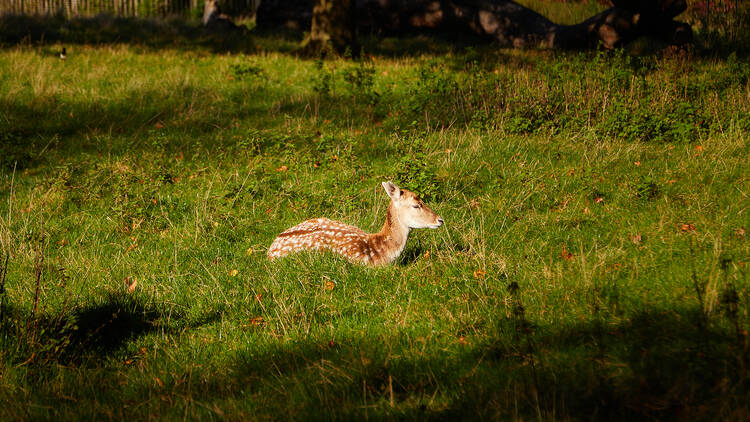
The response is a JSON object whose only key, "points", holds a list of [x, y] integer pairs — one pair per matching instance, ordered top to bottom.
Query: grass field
{"points": [[593, 264]]}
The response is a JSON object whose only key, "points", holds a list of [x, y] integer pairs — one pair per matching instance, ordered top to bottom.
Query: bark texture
{"points": [[215, 20], [332, 27]]}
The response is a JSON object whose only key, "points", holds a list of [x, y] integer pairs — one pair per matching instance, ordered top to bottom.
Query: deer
{"points": [[406, 211]]}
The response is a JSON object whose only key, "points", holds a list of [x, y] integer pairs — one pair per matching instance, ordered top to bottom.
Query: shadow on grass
{"points": [[106, 29], [181, 34], [46, 123], [411, 255], [75, 336], [660, 364]]}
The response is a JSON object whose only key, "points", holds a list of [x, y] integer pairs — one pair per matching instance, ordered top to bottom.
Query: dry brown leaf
{"points": [[282, 168], [687, 227], [636, 238], [131, 247], [566, 255], [233, 273], [479, 273], [131, 284], [330, 285], [219, 411]]}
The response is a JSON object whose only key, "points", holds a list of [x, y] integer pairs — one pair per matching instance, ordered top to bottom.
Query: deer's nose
{"points": [[440, 221]]}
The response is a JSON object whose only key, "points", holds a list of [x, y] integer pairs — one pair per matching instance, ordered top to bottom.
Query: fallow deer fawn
{"points": [[405, 212]]}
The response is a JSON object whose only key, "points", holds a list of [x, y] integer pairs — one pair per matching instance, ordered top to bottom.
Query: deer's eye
{"points": [[416, 206]]}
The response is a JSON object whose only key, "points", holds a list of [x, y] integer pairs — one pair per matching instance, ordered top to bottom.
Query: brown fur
{"points": [[405, 211]]}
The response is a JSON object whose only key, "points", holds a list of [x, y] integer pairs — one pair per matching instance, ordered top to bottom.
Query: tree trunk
{"points": [[296, 14], [214, 20], [504, 21], [332, 28]]}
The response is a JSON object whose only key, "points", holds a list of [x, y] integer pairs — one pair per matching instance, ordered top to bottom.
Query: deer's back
{"points": [[322, 233]]}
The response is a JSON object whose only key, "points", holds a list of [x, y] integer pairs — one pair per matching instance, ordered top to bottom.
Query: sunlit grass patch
{"points": [[592, 260]]}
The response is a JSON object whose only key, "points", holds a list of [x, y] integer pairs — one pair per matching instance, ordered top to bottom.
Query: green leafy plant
{"points": [[242, 71], [323, 78], [360, 79], [413, 170], [647, 188]]}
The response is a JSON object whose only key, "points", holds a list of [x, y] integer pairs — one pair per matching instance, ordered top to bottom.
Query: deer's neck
{"points": [[390, 241]]}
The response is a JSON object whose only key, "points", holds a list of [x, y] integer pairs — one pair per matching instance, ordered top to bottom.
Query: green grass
{"points": [[573, 12], [593, 264]]}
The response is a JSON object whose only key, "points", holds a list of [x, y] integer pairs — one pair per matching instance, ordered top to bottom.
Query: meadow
{"points": [[593, 263]]}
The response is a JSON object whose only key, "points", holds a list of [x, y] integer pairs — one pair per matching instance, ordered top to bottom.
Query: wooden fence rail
{"points": [[125, 8]]}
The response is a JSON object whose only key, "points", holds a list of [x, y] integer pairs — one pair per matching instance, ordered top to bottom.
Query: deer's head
{"points": [[410, 210]]}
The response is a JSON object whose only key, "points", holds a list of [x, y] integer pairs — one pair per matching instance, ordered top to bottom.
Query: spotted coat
{"points": [[405, 211]]}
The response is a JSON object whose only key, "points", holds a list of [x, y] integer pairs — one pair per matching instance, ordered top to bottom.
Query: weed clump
{"points": [[249, 71], [360, 80], [680, 123], [15, 151], [414, 170], [647, 188]]}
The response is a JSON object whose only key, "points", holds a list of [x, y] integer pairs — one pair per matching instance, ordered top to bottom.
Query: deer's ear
{"points": [[392, 190]]}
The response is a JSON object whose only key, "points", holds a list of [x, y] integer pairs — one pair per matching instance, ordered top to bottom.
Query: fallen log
{"points": [[504, 21]]}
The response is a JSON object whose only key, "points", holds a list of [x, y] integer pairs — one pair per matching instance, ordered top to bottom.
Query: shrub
{"points": [[360, 80], [681, 122], [414, 171]]}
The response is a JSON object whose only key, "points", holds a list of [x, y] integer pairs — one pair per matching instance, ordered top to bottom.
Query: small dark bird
{"points": [[62, 54]]}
